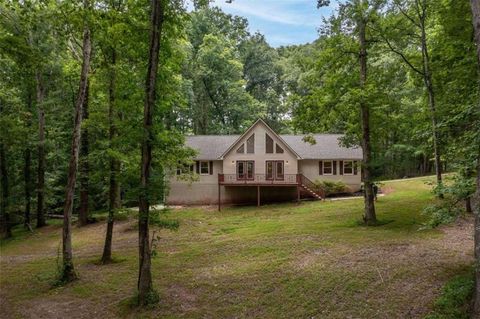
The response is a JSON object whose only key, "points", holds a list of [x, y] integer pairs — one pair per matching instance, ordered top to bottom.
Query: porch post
{"points": [[298, 194], [258, 195], [219, 199]]}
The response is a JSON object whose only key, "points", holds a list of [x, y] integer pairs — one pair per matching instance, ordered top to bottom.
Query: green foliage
{"points": [[331, 187], [455, 191], [455, 299]]}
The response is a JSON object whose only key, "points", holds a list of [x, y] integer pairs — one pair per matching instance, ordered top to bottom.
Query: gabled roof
{"points": [[259, 121], [328, 146], [210, 147]]}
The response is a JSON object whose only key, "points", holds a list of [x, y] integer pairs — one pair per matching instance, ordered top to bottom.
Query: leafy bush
{"points": [[330, 187], [454, 194]]}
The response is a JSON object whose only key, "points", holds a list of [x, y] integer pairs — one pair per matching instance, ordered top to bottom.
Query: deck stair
{"points": [[310, 188]]}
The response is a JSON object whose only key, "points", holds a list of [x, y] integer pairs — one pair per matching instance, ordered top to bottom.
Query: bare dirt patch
{"points": [[183, 296], [60, 307]]}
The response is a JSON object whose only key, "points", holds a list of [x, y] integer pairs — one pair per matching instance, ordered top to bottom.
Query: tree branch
{"points": [[404, 58]]}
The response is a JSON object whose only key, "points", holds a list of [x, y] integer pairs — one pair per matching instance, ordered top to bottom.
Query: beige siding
{"points": [[260, 156], [310, 169], [203, 191]]}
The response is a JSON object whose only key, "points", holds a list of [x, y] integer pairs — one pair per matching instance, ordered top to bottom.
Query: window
{"points": [[251, 144], [268, 144], [241, 149], [278, 149], [204, 168], [327, 168], [348, 168], [184, 169], [245, 170], [269, 170], [274, 170], [279, 170]]}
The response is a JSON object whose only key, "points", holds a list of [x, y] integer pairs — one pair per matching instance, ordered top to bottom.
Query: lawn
{"points": [[311, 260]]}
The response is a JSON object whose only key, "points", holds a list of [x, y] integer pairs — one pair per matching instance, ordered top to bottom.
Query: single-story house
{"points": [[263, 166]]}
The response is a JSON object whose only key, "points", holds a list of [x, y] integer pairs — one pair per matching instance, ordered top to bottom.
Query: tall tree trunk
{"points": [[475, 4], [427, 78], [41, 152], [84, 169], [27, 171], [114, 190], [28, 195], [369, 217], [5, 226], [68, 272], [145, 275]]}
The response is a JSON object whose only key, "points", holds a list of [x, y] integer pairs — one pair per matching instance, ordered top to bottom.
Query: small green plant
{"points": [[331, 187], [157, 219], [60, 278], [454, 300]]}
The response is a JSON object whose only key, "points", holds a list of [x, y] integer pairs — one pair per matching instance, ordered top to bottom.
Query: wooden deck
{"points": [[302, 183]]}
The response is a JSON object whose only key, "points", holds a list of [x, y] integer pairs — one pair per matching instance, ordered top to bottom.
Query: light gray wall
{"points": [[309, 168]]}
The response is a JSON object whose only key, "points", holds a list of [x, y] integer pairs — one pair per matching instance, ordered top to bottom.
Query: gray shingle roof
{"points": [[211, 147], [327, 147]]}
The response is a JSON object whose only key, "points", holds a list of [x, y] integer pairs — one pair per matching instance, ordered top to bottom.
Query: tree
{"points": [[475, 4], [358, 15], [414, 23], [263, 73], [41, 151], [28, 165], [114, 165], [83, 213], [5, 225], [68, 272], [145, 288]]}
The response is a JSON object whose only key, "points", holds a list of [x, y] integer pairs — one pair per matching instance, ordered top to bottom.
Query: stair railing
{"points": [[303, 180]]}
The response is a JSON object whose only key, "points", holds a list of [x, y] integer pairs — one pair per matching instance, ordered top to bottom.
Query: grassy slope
{"points": [[277, 261]]}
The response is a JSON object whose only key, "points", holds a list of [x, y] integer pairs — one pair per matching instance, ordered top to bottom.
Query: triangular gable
{"points": [[268, 129]]}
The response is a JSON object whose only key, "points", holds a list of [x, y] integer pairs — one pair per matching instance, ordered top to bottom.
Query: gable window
{"points": [[251, 144], [268, 144], [241, 149], [278, 149], [327, 167], [347, 167], [204, 168]]}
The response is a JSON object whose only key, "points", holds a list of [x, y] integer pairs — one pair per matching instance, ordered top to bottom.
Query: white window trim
{"points": [[208, 168], [323, 168], [353, 169]]}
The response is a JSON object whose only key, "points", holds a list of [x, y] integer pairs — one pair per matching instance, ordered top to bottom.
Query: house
{"points": [[262, 166]]}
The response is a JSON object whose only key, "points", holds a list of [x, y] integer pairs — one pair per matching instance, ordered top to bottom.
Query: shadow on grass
{"points": [[380, 222]]}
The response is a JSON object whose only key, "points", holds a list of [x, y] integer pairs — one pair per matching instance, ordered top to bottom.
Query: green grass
{"points": [[276, 261], [455, 299]]}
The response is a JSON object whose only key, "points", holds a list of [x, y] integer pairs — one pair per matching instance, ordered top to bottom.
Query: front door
{"points": [[245, 170], [274, 170]]}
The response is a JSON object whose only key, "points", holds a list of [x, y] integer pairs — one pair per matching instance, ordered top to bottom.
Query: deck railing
{"points": [[258, 179]]}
